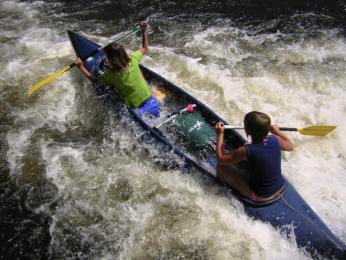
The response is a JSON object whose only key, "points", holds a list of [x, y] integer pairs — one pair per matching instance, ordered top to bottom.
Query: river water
{"points": [[75, 184]]}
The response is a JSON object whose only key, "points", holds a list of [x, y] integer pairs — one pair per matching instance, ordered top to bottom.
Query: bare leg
{"points": [[158, 92], [230, 175]]}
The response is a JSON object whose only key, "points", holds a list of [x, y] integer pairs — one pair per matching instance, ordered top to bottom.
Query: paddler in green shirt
{"points": [[123, 72]]}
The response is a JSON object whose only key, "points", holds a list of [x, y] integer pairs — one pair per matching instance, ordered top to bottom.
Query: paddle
{"points": [[45, 81], [316, 130]]}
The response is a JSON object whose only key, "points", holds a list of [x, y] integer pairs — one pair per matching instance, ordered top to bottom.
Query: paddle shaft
{"points": [[118, 38], [45, 81], [281, 128], [316, 130]]}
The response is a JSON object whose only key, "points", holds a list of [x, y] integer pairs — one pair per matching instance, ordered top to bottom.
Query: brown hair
{"points": [[118, 60], [257, 125]]}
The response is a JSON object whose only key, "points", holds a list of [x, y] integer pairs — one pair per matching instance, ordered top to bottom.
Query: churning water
{"points": [[76, 184]]}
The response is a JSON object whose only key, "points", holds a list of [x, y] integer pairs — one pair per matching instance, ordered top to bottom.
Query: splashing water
{"points": [[105, 194]]}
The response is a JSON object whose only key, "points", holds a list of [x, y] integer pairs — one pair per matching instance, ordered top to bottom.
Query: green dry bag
{"points": [[197, 132]]}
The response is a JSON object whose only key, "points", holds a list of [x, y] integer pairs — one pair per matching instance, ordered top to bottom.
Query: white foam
{"points": [[232, 73], [292, 96], [17, 141]]}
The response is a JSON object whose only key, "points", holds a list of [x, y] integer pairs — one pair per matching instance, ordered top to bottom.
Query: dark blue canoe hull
{"points": [[289, 212]]}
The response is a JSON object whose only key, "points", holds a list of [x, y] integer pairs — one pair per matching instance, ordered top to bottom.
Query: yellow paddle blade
{"points": [[42, 83], [317, 130]]}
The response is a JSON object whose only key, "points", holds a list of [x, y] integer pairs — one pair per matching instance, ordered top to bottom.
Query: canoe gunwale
{"points": [[300, 211]]}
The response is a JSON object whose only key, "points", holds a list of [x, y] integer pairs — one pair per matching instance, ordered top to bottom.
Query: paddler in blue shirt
{"points": [[263, 155]]}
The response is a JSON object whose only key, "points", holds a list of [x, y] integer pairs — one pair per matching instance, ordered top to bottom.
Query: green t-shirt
{"points": [[130, 84]]}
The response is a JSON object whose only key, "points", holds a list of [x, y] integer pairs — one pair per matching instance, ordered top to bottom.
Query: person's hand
{"points": [[144, 26], [79, 63], [219, 128], [274, 129]]}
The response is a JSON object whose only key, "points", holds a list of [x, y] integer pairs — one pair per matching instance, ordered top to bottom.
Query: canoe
{"points": [[289, 213]]}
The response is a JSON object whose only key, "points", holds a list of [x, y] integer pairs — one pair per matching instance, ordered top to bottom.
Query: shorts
{"points": [[151, 106], [253, 196], [256, 198]]}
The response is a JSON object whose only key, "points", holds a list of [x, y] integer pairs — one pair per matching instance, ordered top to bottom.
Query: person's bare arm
{"points": [[145, 43], [79, 63], [285, 142], [234, 156]]}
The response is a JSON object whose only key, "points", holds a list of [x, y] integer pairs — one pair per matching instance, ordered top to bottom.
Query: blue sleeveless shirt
{"points": [[265, 166]]}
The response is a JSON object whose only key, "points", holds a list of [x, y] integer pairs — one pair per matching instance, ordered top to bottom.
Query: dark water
{"points": [[243, 13], [24, 234]]}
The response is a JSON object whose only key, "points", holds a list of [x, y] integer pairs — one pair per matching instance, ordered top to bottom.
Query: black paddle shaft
{"points": [[92, 53], [288, 129]]}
